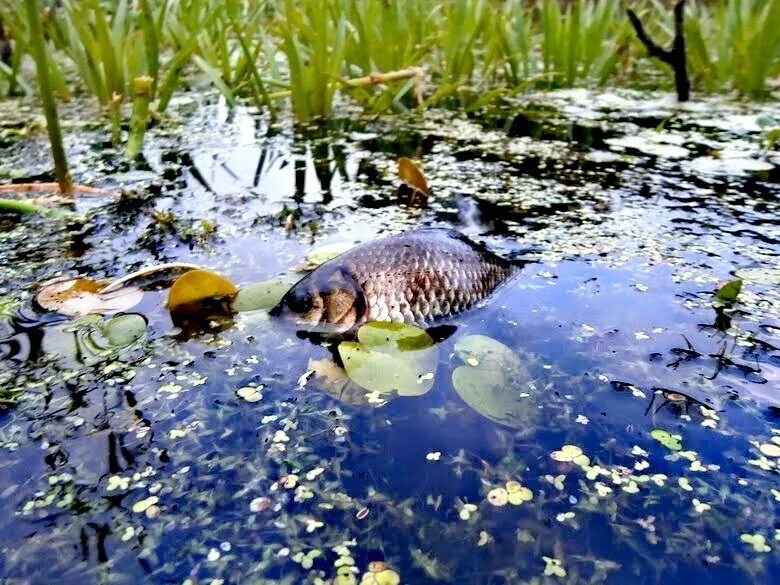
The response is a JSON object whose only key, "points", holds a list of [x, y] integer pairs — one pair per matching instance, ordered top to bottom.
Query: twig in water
{"points": [[26, 187]]}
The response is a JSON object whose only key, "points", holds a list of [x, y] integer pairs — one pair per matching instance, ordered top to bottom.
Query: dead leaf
{"points": [[411, 174], [156, 272], [196, 286], [81, 296]]}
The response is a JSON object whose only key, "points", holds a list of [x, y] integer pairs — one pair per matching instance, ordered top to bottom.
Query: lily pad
{"points": [[653, 144], [730, 165], [323, 254], [770, 275], [195, 286], [730, 291], [260, 295], [83, 296], [124, 330], [394, 337], [90, 339], [391, 357], [492, 380]]}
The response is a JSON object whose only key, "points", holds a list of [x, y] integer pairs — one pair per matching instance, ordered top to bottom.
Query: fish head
{"points": [[327, 300]]}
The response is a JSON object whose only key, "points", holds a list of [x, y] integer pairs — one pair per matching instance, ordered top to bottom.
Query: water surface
{"points": [[146, 464]]}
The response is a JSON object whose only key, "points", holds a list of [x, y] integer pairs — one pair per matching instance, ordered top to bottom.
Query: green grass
{"points": [[314, 40], [581, 41], [734, 45], [307, 51], [41, 56]]}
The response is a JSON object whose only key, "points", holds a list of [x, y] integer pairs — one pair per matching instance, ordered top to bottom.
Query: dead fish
{"points": [[417, 277]]}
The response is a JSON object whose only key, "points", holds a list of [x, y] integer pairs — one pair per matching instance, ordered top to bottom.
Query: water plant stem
{"points": [[38, 49], [675, 57], [417, 73], [142, 96], [25, 187], [20, 206]]}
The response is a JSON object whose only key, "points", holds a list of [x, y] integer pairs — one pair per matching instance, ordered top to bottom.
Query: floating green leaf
{"points": [[323, 254], [729, 291], [260, 295], [123, 330], [393, 337], [90, 339], [391, 357], [493, 381], [668, 440], [757, 541]]}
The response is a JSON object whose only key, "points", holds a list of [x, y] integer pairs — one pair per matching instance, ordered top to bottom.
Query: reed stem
{"points": [[38, 49], [142, 96]]}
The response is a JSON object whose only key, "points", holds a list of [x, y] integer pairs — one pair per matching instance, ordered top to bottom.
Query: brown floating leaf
{"points": [[411, 174], [157, 271], [198, 285], [82, 296]]}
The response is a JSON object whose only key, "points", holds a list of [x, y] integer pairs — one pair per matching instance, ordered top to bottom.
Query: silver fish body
{"points": [[418, 277]]}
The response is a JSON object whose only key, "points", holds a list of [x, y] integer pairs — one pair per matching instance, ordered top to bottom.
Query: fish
{"points": [[419, 277]]}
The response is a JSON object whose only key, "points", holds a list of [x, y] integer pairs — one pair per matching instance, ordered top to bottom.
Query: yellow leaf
{"points": [[411, 174], [198, 285]]}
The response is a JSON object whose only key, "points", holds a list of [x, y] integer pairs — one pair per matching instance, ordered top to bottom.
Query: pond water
{"points": [[152, 462]]}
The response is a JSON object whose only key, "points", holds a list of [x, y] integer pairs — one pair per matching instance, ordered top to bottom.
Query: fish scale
{"points": [[423, 275], [419, 277]]}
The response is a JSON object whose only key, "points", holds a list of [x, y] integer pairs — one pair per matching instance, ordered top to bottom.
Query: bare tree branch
{"points": [[675, 57]]}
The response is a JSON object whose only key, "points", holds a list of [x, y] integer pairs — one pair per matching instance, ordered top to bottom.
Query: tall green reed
{"points": [[17, 31], [386, 37], [314, 41], [580, 41], [734, 44], [111, 47], [475, 51], [39, 52]]}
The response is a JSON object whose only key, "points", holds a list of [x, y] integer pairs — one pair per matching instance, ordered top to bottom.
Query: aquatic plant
{"points": [[386, 36], [14, 37], [314, 40], [227, 41], [581, 41], [735, 44], [111, 48], [473, 52], [45, 86]]}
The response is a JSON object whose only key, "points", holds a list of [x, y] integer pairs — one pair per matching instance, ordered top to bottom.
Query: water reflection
{"points": [[613, 332]]}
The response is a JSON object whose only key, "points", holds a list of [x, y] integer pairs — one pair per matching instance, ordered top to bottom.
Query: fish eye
{"points": [[300, 303]]}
